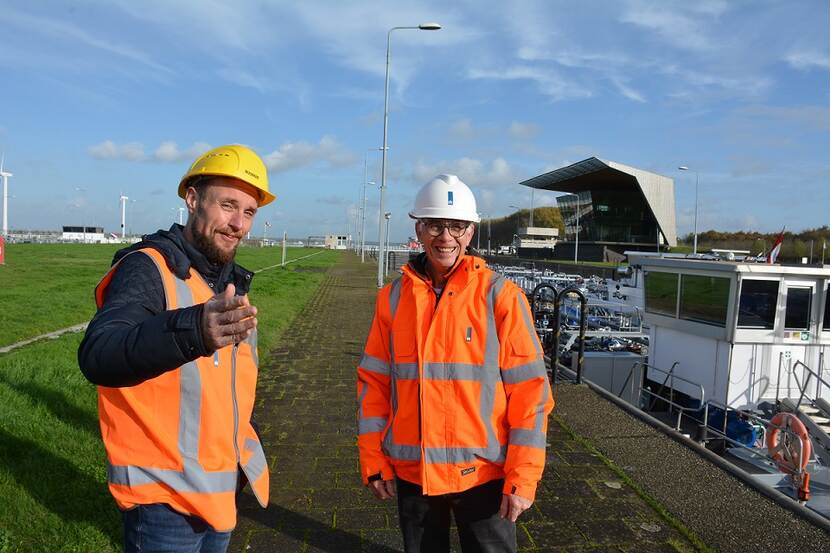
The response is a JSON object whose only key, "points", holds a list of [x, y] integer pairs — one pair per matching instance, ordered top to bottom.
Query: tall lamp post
{"points": [[421, 27], [697, 179], [366, 181], [387, 216]]}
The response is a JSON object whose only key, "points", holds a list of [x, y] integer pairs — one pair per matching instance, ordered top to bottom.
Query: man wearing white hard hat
{"points": [[453, 395]]}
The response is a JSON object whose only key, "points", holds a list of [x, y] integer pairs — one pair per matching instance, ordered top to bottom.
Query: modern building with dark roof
{"points": [[612, 206]]}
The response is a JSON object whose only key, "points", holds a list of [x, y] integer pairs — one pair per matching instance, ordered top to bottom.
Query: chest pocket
{"points": [[405, 346]]}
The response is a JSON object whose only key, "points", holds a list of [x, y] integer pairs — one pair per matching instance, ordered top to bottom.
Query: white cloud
{"points": [[667, 22], [67, 32], [808, 60], [550, 83], [628, 92], [462, 129], [523, 131], [132, 151], [169, 151], [293, 155], [475, 173]]}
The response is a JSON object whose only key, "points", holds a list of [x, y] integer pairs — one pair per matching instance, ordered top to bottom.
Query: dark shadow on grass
{"points": [[57, 403], [57, 485], [303, 528]]}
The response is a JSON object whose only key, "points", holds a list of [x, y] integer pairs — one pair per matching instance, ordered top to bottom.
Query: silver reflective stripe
{"points": [[394, 298], [531, 329], [252, 341], [373, 364], [405, 371], [456, 371], [521, 373], [487, 393], [360, 397], [366, 425], [530, 438], [389, 446], [401, 452], [443, 455], [257, 464], [190, 480]]}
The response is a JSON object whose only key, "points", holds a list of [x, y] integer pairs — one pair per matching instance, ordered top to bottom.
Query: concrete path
{"points": [[306, 410]]}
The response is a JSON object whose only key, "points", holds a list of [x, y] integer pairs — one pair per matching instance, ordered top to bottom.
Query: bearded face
{"points": [[221, 214]]}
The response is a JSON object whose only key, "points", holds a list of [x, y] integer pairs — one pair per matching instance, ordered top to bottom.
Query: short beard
{"points": [[208, 248]]}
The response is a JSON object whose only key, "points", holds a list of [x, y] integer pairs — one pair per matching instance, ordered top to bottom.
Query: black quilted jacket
{"points": [[132, 336]]}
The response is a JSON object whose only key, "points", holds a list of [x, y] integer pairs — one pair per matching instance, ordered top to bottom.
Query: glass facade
{"points": [[608, 215]]}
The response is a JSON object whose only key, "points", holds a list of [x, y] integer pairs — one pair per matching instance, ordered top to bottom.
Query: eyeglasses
{"points": [[435, 228]]}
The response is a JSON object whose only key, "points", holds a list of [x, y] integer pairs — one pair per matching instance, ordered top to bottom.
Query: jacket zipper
{"points": [[424, 471]]}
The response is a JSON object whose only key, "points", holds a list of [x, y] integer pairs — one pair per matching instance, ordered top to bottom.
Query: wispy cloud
{"points": [[670, 24], [67, 32], [805, 59], [549, 82], [523, 131], [132, 151], [167, 152], [293, 155], [474, 172]]}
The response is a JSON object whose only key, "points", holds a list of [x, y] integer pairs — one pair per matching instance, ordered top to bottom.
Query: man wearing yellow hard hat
{"points": [[173, 351]]}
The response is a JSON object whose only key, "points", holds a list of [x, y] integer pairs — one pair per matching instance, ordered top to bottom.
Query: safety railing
{"points": [[671, 379], [804, 388]]}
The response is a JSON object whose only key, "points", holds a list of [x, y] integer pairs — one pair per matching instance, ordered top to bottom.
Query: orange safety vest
{"points": [[456, 394], [180, 438]]}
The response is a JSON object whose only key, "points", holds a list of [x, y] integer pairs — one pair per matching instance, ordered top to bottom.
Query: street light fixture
{"points": [[421, 27], [697, 179]]}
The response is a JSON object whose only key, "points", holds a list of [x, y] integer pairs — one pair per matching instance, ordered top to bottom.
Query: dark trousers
{"points": [[425, 519]]}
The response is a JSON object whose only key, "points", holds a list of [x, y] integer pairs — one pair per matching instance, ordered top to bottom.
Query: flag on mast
{"points": [[776, 248]]}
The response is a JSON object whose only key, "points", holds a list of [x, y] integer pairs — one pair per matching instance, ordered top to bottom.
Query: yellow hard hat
{"points": [[235, 161]]}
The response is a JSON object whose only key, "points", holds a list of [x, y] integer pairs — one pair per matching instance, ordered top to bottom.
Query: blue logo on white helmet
{"points": [[449, 197]]}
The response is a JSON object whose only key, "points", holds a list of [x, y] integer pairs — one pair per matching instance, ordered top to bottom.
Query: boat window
{"points": [[661, 293], [704, 299], [758, 301], [798, 308], [827, 309]]}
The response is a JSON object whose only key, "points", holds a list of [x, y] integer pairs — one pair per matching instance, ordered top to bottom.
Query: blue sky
{"points": [[104, 98]]}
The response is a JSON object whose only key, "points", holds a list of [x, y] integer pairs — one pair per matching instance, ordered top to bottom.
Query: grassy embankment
{"points": [[52, 475]]}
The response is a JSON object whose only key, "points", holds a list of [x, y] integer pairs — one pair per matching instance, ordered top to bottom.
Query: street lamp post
{"points": [[421, 27], [697, 179], [366, 181], [387, 216]]}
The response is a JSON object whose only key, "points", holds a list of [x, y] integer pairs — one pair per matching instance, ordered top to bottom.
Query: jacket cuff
{"points": [[186, 324], [526, 490]]}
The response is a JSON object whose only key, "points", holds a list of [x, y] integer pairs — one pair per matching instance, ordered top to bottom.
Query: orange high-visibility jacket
{"points": [[453, 393], [180, 438]]}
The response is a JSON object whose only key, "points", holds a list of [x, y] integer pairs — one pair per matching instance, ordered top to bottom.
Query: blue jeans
{"points": [[157, 528]]}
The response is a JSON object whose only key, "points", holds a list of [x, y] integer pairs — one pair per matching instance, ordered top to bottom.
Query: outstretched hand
{"points": [[227, 319], [512, 506]]}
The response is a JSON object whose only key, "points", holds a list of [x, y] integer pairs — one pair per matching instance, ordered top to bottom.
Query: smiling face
{"points": [[221, 213], [442, 251]]}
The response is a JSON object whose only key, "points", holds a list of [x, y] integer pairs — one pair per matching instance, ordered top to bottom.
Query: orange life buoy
{"points": [[783, 449]]}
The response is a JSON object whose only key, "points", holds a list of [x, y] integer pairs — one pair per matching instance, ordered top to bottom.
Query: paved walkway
{"points": [[306, 411]]}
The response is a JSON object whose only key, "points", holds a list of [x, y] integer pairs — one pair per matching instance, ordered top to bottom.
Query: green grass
{"points": [[53, 493]]}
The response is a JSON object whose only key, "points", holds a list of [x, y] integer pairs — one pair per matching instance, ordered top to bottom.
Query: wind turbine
{"points": [[5, 174], [123, 199]]}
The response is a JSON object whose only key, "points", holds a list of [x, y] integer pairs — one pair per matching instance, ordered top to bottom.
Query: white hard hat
{"points": [[445, 197]]}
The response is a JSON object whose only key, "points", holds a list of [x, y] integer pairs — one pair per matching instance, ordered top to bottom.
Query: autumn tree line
{"points": [[796, 245]]}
